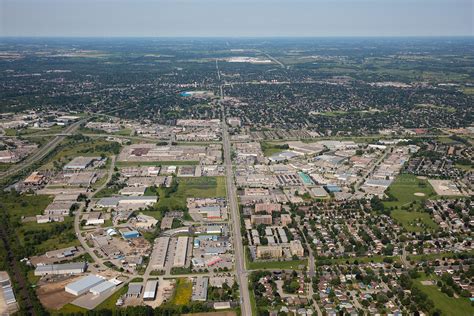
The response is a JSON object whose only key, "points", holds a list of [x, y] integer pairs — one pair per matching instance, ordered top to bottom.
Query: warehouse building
{"points": [[80, 163], [160, 249], [181, 252], [66, 268], [83, 285], [101, 288], [134, 290], [150, 290]]}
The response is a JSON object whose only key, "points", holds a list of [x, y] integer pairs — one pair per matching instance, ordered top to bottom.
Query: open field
{"points": [[71, 149], [270, 149], [203, 187], [404, 189], [24, 205], [414, 221], [49, 236], [375, 259], [283, 265], [183, 292], [53, 296], [109, 303], [448, 305], [69, 309]]}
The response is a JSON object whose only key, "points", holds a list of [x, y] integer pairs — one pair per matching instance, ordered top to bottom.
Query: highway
{"points": [[43, 151], [241, 273]]}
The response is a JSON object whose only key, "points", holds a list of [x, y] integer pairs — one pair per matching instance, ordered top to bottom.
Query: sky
{"points": [[236, 18]]}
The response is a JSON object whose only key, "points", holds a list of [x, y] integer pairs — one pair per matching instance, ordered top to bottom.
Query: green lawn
{"points": [[202, 187], [404, 188], [414, 221], [448, 305]]}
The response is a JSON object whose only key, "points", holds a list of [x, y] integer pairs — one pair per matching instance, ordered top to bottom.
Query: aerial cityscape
{"points": [[226, 176]]}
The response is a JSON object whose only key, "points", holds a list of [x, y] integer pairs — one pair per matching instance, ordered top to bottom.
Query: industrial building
{"points": [[80, 163], [129, 234], [160, 250], [181, 252], [66, 268], [83, 285], [102, 288], [200, 289], [134, 290], [150, 290]]}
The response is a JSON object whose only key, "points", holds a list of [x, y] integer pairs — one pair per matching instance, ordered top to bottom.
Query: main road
{"points": [[43, 151], [239, 254]]}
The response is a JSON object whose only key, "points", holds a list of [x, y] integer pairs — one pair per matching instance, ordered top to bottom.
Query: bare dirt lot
{"points": [[53, 295]]}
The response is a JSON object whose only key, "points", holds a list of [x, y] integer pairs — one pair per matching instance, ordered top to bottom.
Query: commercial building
{"points": [[181, 252], [269, 252], [66, 268], [83, 285], [150, 290]]}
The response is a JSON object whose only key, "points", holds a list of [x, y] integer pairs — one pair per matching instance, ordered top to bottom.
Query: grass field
{"points": [[270, 149], [71, 150], [202, 187], [404, 189], [24, 205], [414, 221], [56, 241], [375, 259], [284, 265], [183, 292], [109, 303], [448, 305], [69, 309]]}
